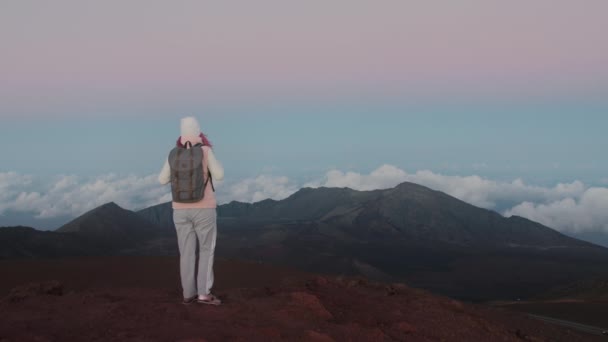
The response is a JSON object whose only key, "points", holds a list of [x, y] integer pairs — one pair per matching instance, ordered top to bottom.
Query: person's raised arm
{"points": [[215, 167], [165, 174]]}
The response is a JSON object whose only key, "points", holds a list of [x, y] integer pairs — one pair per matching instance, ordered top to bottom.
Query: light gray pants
{"points": [[192, 225]]}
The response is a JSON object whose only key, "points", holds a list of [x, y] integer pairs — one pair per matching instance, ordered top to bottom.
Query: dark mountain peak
{"points": [[410, 185], [408, 188], [304, 190], [321, 190], [322, 193], [267, 201], [234, 202], [110, 205], [104, 210], [108, 213], [520, 219], [108, 220]]}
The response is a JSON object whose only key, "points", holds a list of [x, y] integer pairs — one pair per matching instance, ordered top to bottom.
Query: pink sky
{"points": [[94, 56]]}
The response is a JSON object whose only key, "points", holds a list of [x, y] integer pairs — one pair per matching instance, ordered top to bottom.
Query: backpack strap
{"points": [[179, 151], [211, 179]]}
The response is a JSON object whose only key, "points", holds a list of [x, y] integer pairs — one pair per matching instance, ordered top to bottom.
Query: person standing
{"points": [[191, 168]]}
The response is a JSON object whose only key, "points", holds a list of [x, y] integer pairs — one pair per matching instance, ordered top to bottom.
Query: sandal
{"points": [[211, 299], [190, 300]]}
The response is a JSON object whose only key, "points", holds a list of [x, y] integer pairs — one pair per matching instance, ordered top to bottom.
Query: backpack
{"points": [[187, 179]]}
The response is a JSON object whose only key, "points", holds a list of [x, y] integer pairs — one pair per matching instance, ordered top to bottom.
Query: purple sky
{"points": [[92, 58]]}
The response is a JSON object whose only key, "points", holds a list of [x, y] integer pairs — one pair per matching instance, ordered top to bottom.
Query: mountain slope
{"points": [[307, 204], [408, 211], [418, 213], [160, 215], [110, 221], [105, 230], [118, 231]]}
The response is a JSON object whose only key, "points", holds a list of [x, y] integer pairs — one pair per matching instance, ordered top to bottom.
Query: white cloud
{"points": [[384, 177], [10, 183], [472, 189], [72, 196], [589, 212]]}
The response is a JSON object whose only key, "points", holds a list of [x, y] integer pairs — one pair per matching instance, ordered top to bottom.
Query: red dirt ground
{"points": [[139, 299]]}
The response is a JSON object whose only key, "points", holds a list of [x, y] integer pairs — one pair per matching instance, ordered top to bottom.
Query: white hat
{"points": [[190, 127]]}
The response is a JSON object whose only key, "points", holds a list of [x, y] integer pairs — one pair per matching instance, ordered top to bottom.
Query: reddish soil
{"points": [[138, 299]]}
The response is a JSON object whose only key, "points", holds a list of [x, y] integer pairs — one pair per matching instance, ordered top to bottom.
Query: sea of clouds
{"points": [[568, 207]]}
